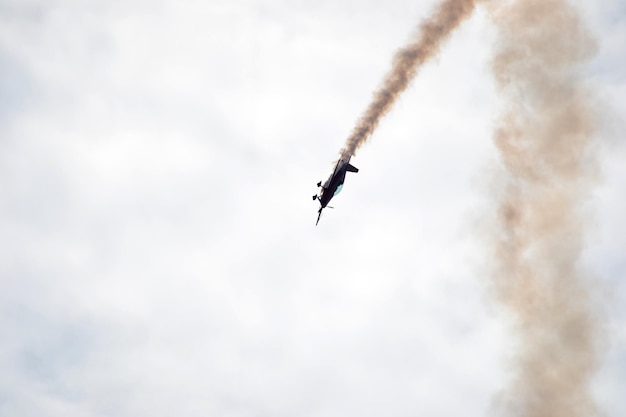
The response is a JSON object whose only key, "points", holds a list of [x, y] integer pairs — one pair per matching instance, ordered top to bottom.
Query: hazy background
{"points": [[158, 254]]}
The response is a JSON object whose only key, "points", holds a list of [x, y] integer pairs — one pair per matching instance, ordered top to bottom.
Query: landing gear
{"points": [[319, 184], [314, 197]]}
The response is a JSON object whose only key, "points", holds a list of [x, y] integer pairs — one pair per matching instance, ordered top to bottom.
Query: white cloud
{"points": [[159, 254]]}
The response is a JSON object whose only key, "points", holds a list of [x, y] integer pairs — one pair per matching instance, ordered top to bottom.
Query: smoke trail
{"points": [[406, 62], [545, 142]]}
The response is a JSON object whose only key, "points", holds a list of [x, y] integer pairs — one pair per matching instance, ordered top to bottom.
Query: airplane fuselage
{"points": [[334, 183], [332, 186]]}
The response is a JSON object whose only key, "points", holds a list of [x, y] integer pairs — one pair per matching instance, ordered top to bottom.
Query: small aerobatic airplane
{"points": [[333, 184]]}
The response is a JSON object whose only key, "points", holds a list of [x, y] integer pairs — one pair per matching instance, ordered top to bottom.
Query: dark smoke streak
{"points": [[406, 63], [545, 139]]}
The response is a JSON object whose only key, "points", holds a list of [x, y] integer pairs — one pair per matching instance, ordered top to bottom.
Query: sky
{"points": [[159, 254]]}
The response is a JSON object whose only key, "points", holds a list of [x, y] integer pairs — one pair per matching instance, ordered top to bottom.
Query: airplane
{"points": [[333, 184]]}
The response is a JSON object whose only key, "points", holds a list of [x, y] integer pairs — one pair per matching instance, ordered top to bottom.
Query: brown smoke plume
{"points": [[431, 33], [545, 140]]}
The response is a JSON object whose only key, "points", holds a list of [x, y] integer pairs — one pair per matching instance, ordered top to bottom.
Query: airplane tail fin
{"points": [[352, 168], [319, 214]]}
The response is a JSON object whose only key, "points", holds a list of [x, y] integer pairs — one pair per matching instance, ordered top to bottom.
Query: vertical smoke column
{"points": [[431, 33], [545, 142]]}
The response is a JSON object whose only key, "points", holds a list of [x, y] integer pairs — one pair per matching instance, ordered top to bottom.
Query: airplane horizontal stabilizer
{"points": [[351, 168]]}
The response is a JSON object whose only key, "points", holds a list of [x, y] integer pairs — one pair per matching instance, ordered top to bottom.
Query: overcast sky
{"points": [[158, 248]]}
